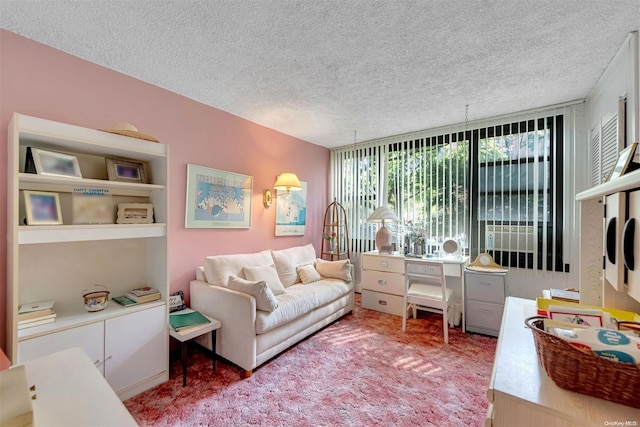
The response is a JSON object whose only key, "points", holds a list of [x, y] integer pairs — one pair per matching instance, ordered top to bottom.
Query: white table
{"points": [[188, 334], [70, 391], [520, 392]]}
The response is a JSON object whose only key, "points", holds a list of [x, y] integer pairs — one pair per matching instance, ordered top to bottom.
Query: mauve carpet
{"points": [[362, 370]]}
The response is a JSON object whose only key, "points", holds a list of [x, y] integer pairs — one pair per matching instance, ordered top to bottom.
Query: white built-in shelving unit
{"points": [[129, 345]]}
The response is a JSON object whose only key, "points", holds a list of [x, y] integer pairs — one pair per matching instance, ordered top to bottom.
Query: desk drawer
{"points": [[383, 263], [380, 281], [485, 287], [386, 303], [483, 315]]}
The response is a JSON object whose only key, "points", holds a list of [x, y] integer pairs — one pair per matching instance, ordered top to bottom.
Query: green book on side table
{"points": [[180, 321]]}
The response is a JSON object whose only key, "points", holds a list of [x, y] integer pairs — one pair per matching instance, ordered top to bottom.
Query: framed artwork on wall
{"points": [[217, 199], [291, 212]]}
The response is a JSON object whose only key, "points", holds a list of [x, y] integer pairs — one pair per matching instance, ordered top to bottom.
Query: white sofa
{"points": [[250, 336]]}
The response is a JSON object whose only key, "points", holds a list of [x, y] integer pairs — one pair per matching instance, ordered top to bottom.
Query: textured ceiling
{"points": [[320, 70]]}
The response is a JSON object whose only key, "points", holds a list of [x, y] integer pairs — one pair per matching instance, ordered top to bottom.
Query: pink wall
{"points": [[39, 81]]}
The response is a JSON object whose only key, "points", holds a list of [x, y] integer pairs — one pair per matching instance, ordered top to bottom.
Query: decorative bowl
{"points": [[97, 299]]}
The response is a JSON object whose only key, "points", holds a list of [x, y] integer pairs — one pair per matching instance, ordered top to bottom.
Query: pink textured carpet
{"points": [[359, 371]]}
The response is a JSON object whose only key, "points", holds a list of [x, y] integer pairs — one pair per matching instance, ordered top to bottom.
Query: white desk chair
{"points": [[426, 289]]}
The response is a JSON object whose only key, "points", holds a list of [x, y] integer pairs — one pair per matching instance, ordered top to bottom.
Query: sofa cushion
{"points": [[286, 261], [218, 268], [334, 269], [267, 273], [308, 273], [265, 300], [299, 300]]}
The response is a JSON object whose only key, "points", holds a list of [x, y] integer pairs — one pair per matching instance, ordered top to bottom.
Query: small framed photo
{"points": [[624, 159], [45, 162], [126, 170], [42, 208], [92, 208], [135, 213]]}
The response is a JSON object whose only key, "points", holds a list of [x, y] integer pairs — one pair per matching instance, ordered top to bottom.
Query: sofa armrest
{"points": [[236, 311]]}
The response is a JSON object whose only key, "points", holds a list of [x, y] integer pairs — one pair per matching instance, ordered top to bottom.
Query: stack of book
{"points": [[138, 295], [35, 314]]}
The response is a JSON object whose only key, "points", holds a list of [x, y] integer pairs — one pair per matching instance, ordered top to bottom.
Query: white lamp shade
{"points": [[287, 181], [383, 214]]}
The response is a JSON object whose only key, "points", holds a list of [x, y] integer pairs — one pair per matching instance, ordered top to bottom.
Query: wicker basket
{"points": [[583, 372]]}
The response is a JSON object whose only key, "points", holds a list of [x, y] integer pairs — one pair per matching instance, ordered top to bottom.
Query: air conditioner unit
{"points": [[519, 238]]}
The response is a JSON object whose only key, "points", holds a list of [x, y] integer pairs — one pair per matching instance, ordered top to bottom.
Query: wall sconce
{"points": [[286, 181]]}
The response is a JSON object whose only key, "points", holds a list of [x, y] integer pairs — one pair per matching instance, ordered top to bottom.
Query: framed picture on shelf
{"points": [[624, 160], [45, 162], [125, 170], [217, 199], [42, 208], [92, 208], [135, 213]]}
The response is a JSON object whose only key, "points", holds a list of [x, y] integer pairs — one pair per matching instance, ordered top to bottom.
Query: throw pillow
{"points": [[286, 261], [334, 269], [266, 273], [308, 273], [265, 300]]}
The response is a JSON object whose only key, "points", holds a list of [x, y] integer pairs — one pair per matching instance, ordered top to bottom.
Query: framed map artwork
{"points": [[217, 199], [291, 212]]}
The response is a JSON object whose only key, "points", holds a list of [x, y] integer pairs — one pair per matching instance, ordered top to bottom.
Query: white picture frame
{"points": [[624, 159], [52, 163], [42, 208], [135, 213]]}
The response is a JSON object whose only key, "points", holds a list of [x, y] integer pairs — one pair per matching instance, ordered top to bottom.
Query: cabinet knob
{"points": [[384, 264], [382, 282], [382, 302]]}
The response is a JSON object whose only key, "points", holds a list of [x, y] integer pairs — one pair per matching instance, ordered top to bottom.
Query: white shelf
{"points": [[65, 137], [30, 181], [623, 183], [34, 234], [78, 316]]}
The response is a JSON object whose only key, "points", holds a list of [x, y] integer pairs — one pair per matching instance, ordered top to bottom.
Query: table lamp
{"points": [[383, 236]]}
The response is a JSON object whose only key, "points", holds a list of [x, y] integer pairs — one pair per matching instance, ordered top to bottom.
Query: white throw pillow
{"points": [[286, 261], [218, 268], [334, 269], [266, 273], [308, 274], [265, 300]]}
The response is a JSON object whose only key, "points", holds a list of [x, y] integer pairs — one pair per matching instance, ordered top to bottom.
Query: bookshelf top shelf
{"points": [[625, 182]]}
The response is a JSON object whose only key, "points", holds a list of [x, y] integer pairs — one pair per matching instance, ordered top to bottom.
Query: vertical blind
{"points": [[496, 186]]}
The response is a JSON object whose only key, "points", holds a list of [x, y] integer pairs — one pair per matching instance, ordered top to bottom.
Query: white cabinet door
{"points": [[614, 223], [631, 245], [90, 338], [135, 347]]}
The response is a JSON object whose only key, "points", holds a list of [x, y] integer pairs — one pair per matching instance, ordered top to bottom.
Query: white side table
{"points": [[188, 334]]}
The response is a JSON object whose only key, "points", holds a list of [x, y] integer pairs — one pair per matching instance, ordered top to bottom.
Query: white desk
{"points": [[383, 280], [71, 391], [520, 392]]}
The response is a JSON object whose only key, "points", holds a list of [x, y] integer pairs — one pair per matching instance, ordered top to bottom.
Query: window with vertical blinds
{"points": [[495, 187]]}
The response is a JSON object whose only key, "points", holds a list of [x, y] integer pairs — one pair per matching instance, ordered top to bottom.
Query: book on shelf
{"points": [[145, 290], [565, 295], [142, 298], [123, 300], [35, 306], [35, 314], [37, 319], [179, 321], [36, 322]]}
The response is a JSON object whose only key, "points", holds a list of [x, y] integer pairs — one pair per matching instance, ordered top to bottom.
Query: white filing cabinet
{"points": [[383, 283], [484, 301]]}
